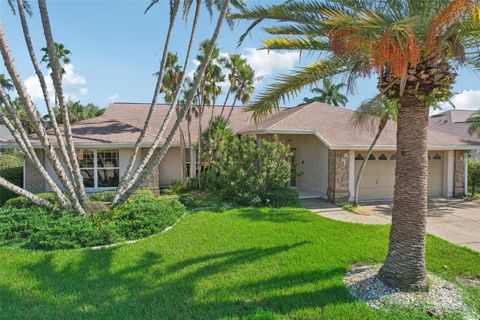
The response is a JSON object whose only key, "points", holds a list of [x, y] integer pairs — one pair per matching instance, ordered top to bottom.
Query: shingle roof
{"points": [[454, 122], [122, 123], [334, 126], [4, 134]]}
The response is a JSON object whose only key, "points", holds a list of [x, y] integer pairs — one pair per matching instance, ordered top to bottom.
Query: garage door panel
{"points": [[379, 177]]}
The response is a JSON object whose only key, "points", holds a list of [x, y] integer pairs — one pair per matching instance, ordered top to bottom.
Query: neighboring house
{"points": [[456, 122], [5, 136], [327, 151]]}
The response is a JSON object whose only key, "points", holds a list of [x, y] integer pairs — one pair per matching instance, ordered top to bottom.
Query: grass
{"points": [[237, 264]]}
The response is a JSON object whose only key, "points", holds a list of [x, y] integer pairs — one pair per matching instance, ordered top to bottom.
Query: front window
{"points": [[99, 168]]}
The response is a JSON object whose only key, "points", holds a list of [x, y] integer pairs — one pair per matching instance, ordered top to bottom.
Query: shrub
{"points": [[11, 169], [244, 172], [474, 175], [102, 196], [281, 197], [24, 203], [145, 213], [27, 226]]}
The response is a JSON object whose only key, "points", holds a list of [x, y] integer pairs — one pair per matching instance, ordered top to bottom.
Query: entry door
{"points": [[293, 172]]}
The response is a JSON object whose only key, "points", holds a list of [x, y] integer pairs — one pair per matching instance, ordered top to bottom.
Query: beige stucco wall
{"points": [[312, 162], [169, 169]]}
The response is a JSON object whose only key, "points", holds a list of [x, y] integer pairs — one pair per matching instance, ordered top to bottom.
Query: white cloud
{"points": [[266, 62], [72, 85], [113, 97], [465, 100]]}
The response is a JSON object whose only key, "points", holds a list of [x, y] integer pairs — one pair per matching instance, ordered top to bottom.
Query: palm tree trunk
{"points": [[57, 72], [43, 85], [158, 86], [226, 100], [231, 109], [168, 116], [200, 116], [36, 122], [381, 126], [21, 137], [190, 148], [155, 160], [22, 192], [405, 265]]}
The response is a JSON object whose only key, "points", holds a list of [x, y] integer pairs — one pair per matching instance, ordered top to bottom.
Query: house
{"points": [[456, 122], [5, 136], [327, 151]]}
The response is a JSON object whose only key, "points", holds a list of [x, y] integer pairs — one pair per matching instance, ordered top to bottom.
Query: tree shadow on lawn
{"points": [[282, 215], [95, 285]]}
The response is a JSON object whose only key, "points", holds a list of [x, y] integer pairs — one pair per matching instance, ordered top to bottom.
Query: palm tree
{"points": [[413, 46], [63, 55], [232, 63], [6, 83], [170, 86], [244, 87], [330, 93], [372, 114], [474, 127], [152, 158]]}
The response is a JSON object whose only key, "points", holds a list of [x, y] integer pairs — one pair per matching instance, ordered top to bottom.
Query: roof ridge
{"points": [[299, 107]]}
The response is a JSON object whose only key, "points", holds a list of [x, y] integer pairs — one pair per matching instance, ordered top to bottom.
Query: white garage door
{"points": [[379, 176]]}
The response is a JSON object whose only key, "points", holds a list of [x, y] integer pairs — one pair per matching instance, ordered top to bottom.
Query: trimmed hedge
{"points": [[11, 169], [25, 225]]}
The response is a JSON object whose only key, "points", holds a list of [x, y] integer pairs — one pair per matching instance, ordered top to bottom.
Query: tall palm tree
{"points": [[413, 46], [63, 55], [232, 63], [6, 83], [244, 86], [170, 87], [329, 93], [373, 114], [474, 127]]}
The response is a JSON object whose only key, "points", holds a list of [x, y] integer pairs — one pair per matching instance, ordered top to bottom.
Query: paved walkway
{"points": [[454, 220]]}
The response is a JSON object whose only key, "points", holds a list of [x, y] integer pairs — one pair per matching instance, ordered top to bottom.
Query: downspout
{"points": [[465, 170]]}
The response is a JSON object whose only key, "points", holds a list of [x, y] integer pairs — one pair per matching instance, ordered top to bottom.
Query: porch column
{"points": [[460, 173], [338, 175], [351, 176]]}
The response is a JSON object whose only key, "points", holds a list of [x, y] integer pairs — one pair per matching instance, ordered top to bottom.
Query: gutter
{"points": [[358, 147]]}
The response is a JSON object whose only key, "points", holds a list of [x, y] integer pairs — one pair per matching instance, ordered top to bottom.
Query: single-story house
{"points": [[456, 122], [5, 137], [327, 151]]}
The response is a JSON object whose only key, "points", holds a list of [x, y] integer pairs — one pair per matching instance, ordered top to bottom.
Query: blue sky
{"points": [[116, 48]]}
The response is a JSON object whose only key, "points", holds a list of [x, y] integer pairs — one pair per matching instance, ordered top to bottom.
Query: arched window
{"points": [[393, 156], [359, 157], [372, 157], [382, 157], [437, 157]]}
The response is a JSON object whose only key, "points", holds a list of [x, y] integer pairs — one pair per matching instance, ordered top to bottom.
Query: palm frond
{"points": [[295, 43], [287, 86], [474, 127]]}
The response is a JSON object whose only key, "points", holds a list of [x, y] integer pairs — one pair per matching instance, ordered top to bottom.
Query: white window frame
{"points": [[95, 170]]}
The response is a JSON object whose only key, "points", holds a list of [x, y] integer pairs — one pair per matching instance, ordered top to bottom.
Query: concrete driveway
{"points": [[454, 220]]}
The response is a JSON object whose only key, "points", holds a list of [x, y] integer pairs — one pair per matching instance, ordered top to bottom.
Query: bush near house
{"points": [[11, 168], [248, 173], [474, 176], [25, 225]]}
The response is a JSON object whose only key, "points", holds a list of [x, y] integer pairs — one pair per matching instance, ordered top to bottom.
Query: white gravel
{"points": [[443, 297]]}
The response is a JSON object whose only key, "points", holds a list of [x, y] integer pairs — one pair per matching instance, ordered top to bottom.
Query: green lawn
{"points": [[245, 263]]}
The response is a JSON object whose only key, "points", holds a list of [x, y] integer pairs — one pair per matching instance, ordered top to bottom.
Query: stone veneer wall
{"points": [[459, 173], [338, 175], [153, 180], [34, 181]]}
